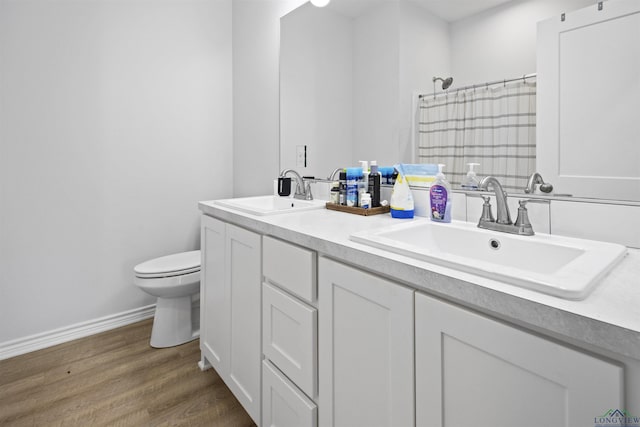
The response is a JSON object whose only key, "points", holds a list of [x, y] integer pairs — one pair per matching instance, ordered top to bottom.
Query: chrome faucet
{"points": [[335, 174], [534, 179], [303, 189], [504, 217], [503, 221]]}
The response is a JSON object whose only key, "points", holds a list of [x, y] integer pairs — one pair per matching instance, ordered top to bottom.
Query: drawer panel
{"points": [[291, 267], [289, 337], [283, 405]]}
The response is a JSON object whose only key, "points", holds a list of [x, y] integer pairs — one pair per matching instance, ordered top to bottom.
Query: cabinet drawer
{"points": [[290, 267], [289, 337], [283, 405]]}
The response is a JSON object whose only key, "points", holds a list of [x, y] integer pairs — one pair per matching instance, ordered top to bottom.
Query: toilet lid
{"points": [[171, 265]]}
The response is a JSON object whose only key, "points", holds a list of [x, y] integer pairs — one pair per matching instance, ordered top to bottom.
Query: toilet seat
{"points": [[169, 266]]}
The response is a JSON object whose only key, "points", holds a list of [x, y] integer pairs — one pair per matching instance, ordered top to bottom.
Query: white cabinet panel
{"points": [[588, 101], [291, 267], [243, 275], [230, 314], [214, 330], [289, 331], [366, 370], [472, 370], [283, 404]]}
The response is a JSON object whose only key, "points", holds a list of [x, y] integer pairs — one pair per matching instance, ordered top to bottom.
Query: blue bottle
{"points": [[353, 176]]}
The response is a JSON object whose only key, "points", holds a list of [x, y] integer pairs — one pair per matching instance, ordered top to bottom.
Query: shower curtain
{"points": [[493, 126]]}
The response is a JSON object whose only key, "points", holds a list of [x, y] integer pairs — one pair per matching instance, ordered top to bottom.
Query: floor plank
{"points": [[115, 379]]}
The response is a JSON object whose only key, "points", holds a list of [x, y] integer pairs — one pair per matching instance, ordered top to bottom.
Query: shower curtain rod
{"points": [[487, 84]]}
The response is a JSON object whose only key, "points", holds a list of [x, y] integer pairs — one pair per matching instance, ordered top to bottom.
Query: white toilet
{"points": [[174, 279]]}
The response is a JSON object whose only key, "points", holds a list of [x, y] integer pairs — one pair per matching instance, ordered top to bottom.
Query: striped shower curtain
{"points": [[493, 126]]}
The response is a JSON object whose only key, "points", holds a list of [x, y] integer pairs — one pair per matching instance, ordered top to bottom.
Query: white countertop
{"points": [[609, 318]]}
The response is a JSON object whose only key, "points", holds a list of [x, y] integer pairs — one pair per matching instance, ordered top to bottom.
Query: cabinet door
{"points": [[588, 101], [242, 279], [214, 293], [289, 336], [472, 370], [366, 373], [283, 404]]}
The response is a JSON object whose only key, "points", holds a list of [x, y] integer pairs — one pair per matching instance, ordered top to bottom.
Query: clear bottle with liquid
{"points": [[471, 181]]}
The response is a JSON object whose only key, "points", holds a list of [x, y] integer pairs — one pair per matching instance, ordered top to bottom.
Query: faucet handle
{"points": [[307, 190], [523, 214], [487, 215], [522, 221]]}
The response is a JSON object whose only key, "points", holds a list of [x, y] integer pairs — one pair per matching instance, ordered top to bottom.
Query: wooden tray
{"points": [[358, 211]]}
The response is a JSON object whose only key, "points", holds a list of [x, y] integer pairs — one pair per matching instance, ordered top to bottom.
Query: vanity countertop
{"points": [[609, 318]]}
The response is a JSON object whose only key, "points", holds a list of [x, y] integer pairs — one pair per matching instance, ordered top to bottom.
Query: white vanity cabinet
{"points": [[230, 315], [289, 335], [365, 349], [473, 370]]}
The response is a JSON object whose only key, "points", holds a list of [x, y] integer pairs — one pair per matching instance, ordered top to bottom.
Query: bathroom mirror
{"points": [[342, 69], [344, 79], [316, 121]]}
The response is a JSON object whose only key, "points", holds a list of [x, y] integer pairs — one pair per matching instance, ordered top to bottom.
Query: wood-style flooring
{"points": [[115, 379]]}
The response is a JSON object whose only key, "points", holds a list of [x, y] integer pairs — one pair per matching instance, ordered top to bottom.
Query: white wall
{"points": [[501, 42], [398, 48], [425, 51], [375, 85], [316, 98], [256, 115], [115, 119]]}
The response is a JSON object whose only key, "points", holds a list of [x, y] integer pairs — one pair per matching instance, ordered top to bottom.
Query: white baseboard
{"points": [[69, 333]]}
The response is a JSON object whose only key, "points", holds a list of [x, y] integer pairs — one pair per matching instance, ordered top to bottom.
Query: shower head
{"points": [[445, 82]]}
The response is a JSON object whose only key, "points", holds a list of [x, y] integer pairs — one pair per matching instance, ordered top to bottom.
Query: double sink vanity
{"points": [[317, 317]]}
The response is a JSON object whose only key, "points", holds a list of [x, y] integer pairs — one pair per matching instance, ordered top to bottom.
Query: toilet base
{"points": [[172, 322]]}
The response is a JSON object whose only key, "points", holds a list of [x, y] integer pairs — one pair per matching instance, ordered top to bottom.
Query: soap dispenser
{"points": [[471, 181], [440, 198]]}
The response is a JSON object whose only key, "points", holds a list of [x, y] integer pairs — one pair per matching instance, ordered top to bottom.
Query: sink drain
{"points": [[494, 244]]}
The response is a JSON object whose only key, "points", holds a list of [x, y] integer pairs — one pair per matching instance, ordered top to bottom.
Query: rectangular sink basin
{"points": [[270, 205], [565, 267]]}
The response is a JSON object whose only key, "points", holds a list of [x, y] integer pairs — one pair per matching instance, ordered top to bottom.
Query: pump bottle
{"points": [[471, 181], [440, 198]]}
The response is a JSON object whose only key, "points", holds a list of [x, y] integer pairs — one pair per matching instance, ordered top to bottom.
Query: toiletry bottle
{"points": [[386, 173], [353, 175], [365, 176], [471, 181], [363, 183], [374, 184], [343, 188], [335, 192], [440, 197], [365, 201], [402, 205]]}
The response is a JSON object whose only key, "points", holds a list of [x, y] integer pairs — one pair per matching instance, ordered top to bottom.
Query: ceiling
{"points": [[448, 10], [454, 10]]}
